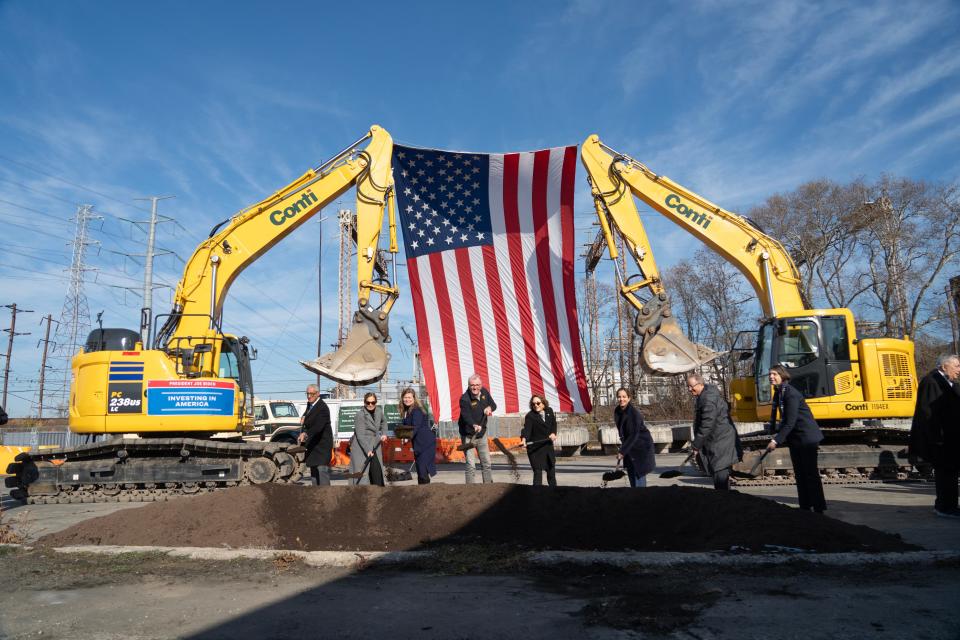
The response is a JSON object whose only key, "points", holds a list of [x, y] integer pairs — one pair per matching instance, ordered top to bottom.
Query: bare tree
{"points": [[820, 225], [914, 233]]}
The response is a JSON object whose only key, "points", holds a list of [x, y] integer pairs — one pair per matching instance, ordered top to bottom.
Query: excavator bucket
{"points": [[669, 351], [361, 360]]}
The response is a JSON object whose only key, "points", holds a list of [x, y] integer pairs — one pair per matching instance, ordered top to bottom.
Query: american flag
{"points": [[489, 241]]}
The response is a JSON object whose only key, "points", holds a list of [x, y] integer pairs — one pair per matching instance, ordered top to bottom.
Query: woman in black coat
{"points": [[540, 431], [799, 431], [423, 438], [636, 443]]}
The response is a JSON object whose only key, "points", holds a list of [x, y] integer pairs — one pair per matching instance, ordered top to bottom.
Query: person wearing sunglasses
{"points": [[369, 432], [317, 437], [537, 437]]}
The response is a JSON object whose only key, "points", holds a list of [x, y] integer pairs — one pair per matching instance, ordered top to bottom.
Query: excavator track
{"points": [[849, 455], [149, 469]]}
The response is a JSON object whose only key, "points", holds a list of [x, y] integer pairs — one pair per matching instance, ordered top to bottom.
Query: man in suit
{"points": [[935, 432], [714, 436], [317, 437]]}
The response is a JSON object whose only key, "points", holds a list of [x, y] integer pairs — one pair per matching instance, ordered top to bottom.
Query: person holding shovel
{"points": [[476, 406], [799, 431], [369, 432], [714, 436], [317, 437], [537, 437], [424, 440], [636, 443]]}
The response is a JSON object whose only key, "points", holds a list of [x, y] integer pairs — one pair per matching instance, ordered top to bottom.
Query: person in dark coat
{"points": [[476, 407], [3, 416], [540, 427], [369, 431], [799, 431], [935, 432], [714, 434], [317, 437], [423, 438], [636, 443]]}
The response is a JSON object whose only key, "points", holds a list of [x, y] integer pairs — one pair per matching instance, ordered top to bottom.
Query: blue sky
{"points": [[221, 103]]}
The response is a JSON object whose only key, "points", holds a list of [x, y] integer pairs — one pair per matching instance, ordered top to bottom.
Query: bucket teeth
{"points": [[670, 351], [361, 360]]}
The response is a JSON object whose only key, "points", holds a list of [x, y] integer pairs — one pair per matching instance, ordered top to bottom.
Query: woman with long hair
{"points": [[540, 428], [370, 429], [799, 431], [423, 438], [636, 443]]}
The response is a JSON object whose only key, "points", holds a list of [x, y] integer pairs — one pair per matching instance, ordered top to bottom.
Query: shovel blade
{"points": [[669, 351], [361, 360]]}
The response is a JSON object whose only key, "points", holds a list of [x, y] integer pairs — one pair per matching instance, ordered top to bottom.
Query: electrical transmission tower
{"points": [[348, 221], [75, 315]]}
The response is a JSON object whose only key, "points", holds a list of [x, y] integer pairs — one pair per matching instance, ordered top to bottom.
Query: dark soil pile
{"points": [[400, 518]]}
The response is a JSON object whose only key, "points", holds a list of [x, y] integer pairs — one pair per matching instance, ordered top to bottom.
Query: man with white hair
{"points": [[476, 406], [935, 432], [715, 436]]}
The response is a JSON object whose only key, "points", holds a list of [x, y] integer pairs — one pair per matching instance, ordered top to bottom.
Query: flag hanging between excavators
{"points": [[489, 240]]}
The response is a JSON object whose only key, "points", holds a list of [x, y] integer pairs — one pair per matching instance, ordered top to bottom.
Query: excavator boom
{"points": [[665, 350]]}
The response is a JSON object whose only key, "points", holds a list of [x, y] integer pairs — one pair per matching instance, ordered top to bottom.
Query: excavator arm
{"points": [[615, 179], [764, 262], [198, 304]]}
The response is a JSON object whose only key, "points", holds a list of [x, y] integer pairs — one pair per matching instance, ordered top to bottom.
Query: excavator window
{"points": [[799, 344], [835, 344], [762, 362], [229, 368]]}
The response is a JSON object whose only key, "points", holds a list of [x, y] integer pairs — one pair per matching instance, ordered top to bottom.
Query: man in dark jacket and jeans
{"points": [[476, 406], [935, 432], [714, 435]]}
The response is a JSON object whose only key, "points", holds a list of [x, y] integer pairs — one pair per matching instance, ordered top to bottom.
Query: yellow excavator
{"points": [[195, 380], [850, 383]]}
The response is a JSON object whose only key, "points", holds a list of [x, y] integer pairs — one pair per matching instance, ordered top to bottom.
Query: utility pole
{"points": [[146, 313], [13, 332], [43, 364]]}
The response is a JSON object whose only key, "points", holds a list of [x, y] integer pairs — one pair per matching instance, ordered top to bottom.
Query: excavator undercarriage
{"points": [[148, 469]]}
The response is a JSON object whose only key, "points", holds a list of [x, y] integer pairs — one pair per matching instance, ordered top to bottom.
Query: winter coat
{"points": [[472, 411], [797, 426], [536, 428], [367, 429], [935, 431], [714, 434], [319, 441], [424, 442], [636, 442]]}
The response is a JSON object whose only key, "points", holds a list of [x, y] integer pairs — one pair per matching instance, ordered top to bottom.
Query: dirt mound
{"points": [[399, 518]]}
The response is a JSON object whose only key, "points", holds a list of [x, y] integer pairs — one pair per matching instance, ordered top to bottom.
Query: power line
{"points": [[64, 180]]}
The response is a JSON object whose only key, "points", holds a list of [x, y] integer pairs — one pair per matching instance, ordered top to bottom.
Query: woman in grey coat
{"points": [[369, 431], [714, 435]]}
